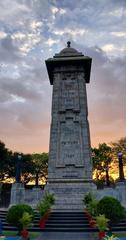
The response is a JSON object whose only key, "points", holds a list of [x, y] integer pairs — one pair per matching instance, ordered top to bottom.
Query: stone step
{"points": [[68, 199], [67, 206], [68, 213], [64, 221], [70, 225], [67, 229]]}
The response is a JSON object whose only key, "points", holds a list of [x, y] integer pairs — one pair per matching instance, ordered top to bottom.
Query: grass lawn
{"points": [[32, 235]]}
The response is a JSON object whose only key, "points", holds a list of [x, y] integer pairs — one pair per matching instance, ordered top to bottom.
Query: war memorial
{"points": [[70, 164], [70, 167]]}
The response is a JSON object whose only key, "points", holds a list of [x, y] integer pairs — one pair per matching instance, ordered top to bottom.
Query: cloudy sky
{"points": [[34, 30]]}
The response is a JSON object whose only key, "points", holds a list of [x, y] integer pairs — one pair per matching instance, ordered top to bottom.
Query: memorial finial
{"points": [[68, 44]]}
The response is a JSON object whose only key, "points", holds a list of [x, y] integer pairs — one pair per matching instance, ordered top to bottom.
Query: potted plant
{"points": [[49, 197], [88, 198], [90, 202], [44, 207], [92, 207], [25, 221], [102, 224]]}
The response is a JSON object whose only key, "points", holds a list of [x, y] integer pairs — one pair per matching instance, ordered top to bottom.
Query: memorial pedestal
{"points": [[121, 189], [17, 193], [69, 194]]}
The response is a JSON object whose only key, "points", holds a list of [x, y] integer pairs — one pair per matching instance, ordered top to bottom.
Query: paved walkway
{"points": [[66, 236]]}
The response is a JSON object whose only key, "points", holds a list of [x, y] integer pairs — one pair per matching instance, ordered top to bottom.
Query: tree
{"points": [[119, 146], [102, 158], [5, 160], [40, 163], [33, 167], [27, 168]]}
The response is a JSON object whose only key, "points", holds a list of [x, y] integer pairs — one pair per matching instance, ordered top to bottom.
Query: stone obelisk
{"points": [[70, 166]]}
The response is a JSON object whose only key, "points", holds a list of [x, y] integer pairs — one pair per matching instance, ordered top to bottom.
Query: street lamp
{"points": [[18, 168], [121, 172], [37, 176], [107, 176]]}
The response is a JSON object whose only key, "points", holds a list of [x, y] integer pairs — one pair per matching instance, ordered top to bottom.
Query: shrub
{"points": [[100, 183], [89, 197], [112, 209], [16, 212], [102, 222]]}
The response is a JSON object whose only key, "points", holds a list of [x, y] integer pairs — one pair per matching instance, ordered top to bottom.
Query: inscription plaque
{"points": [[69, 98], [69, 147]]}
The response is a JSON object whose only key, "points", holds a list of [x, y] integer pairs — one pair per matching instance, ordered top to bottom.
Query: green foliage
{"points": [[119, 146], [102, 157], [5, 162], [40, 164], [33, 166], [100, 183], [50, 198], [88, 198], [46, 203], [91, 203], [43, 207], [92, 207], [112, 209], [15, 213], [26, 220], [102, 222]]}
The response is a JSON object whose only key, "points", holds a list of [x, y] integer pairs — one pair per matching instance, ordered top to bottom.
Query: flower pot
{"points": [[88, 215], [43, 220], [42, 223], [92, 223], [24, 234], [101, 235]]}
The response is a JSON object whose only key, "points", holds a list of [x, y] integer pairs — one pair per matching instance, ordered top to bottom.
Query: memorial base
{"points": [[121, 189], [69, 194]]}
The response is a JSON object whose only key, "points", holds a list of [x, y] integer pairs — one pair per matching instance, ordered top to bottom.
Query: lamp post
{"points": [[18, 168], [121, 172], [107, 176], [37, 177]]}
